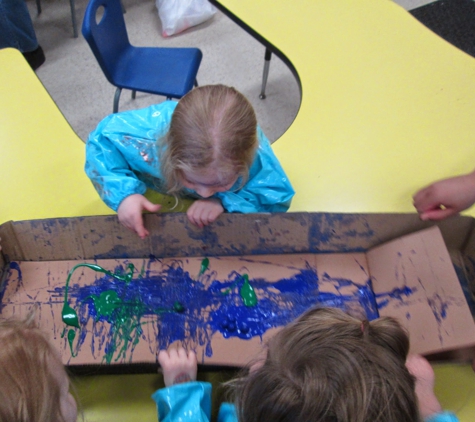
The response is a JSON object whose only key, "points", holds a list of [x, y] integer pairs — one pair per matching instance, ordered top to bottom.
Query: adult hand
{"points": [[446, 197], [204, 211], [130, 213], [178, 366]]}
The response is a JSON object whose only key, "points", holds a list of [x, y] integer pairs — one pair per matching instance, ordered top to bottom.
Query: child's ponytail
{"points": [[388, 333]]}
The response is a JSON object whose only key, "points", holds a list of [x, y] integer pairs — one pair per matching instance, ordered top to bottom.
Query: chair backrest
{"points": [[106, 34]]}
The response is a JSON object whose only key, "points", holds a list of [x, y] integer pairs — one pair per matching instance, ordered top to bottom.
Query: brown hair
{"points": [[213, 126], [328, 366], [28, 389]]}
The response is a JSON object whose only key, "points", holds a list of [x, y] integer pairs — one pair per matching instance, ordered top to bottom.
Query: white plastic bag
{"points": [[178, 15]]}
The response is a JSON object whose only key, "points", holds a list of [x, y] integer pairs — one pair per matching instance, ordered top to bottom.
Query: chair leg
{"points": [[38, 6], [73, 17], [265, 74], [196, 82], [133, 94], [115, 108]]}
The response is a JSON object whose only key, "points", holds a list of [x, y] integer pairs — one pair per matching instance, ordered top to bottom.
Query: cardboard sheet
{"points": [[199, 301]]}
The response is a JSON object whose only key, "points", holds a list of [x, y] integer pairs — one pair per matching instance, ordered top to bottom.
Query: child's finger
{"points": [[150, 206], [193, 217], [139, 228], [181, 352], [192, 356], [163, 357]]}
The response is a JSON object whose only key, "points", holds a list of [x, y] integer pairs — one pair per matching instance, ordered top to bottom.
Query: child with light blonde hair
{"points": [[206, 146], [326, 366], [34, 385]]}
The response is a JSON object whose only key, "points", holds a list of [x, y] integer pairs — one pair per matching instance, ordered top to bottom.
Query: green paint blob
{"points": [[204, 266], [247, 293], [106, 303], [69, 316], [71, 337]]}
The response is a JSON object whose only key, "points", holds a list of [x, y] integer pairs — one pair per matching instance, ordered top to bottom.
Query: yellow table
{"points": [[387, 106], [41, 159]]}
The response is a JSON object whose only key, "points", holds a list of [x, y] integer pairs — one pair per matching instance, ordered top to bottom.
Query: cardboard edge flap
{"points": [[12, 249]]}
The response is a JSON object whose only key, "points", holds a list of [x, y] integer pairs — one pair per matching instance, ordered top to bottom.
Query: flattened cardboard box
{"points": [[223, 290]]}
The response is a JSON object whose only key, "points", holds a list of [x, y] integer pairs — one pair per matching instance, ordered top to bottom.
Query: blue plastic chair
{"points": [[170, 72]]}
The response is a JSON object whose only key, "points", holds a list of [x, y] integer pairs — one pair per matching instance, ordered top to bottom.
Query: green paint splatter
{"points": [[204, 266], [247, 293], [106, 303], [68, 314], [124, 317], [71, 337]]}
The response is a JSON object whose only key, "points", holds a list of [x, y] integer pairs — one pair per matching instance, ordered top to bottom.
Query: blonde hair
{"points": [[213, 126], [328, 366], [28, 389]]}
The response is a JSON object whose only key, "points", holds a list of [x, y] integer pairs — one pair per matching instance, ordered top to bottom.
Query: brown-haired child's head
{"points": [[211, 142], [328, 366], [34, 385]]}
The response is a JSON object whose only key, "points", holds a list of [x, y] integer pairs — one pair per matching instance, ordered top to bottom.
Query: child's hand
{"points": [[446, 197], [204, 211], [130, 213], [178, 366], [421, 369]]}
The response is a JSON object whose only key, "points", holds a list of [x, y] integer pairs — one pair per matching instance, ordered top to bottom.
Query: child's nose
{"points": [[205, 192]]}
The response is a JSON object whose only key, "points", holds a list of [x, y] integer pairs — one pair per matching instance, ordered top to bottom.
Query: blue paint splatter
{"points": [[398, 293], [208, 309]]}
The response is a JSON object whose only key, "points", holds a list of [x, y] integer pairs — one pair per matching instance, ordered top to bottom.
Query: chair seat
{"points": [[164, 71]]}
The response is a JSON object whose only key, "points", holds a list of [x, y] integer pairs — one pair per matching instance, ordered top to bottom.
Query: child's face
{"points": [[209, 181], [68, 405]]}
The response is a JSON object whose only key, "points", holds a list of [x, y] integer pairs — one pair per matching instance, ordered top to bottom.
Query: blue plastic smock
{"points": [[122, 158], [189, 402], [442, 417]]}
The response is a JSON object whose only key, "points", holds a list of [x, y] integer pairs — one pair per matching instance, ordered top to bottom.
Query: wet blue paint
{"points": [[398, 293], [206, 310]]}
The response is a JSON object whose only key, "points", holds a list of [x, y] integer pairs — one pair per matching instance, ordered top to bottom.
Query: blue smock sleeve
{"points": [[122, 153], [267, 190], [187, 402], [227, 413], [443, 417]]}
